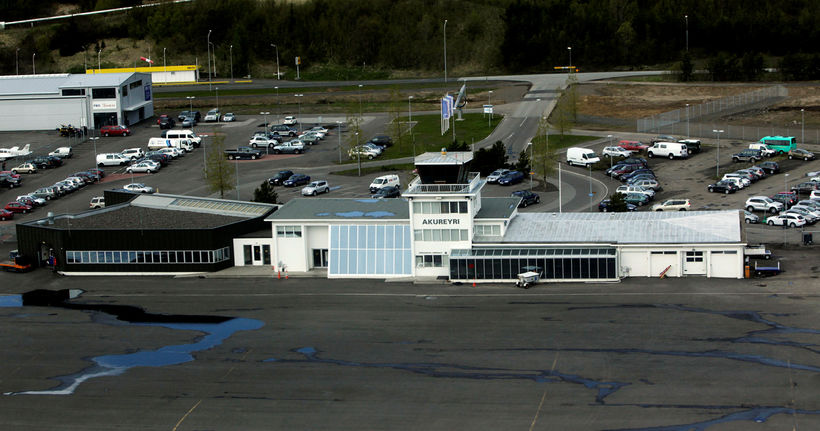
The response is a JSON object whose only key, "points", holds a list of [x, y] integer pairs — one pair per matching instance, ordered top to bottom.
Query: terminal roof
{"points": [[497, 208], [342, 209], [645, 227]]}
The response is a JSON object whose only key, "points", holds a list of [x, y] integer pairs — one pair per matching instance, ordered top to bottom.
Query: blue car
{"points": [[511, 178], [296, 179]]}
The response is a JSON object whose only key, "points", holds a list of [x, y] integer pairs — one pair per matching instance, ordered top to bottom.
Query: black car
{"points": [[182, 115], [166, 123], [382, 141], [160, 158], [46, 162], [769, 167], [98, 171], [635, 173], [88, 177], [280, 178], [296, 179], [8, 181], [722, 187], [807, 187], [387, 192], [527, 198], [786, 198], [605, 206]]}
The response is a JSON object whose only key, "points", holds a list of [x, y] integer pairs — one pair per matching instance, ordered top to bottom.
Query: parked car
{"points": [[182, 115], [212, 115], [229, 117], [290, 120], [166, 122], [189, 122], [116, 130], [282, 130], [324, 131], [312, 138], [662, 138], [381, 140], [261, 141], [692, 145], [636, 146], [290, 147], [668, 149], [764, 149], [362, 151], [62, 152], [616, 152], [133, 153], [243, 153], [799, 153], [747, 155], [47, 162], [143, 167], [770, 167], [25, 168], [100, 173], [496, 174], [633, 174], [87, 177], [279, 178], [511, 178], [296, 179], [635, 179], [744, 180], [9, 181], [384, 181], [646, 183], [139, 187], [722, 187], [805, 187], [315, 188], [626, 189], [387, 192], [47, 193], [527, 198], [786, 198], [638, 199], [31, 201], [97, 202], [763, 203], [673, 205], [606, 206], [17, 207], [6, 214], [810, 216], [750, 217], [790, 220]]}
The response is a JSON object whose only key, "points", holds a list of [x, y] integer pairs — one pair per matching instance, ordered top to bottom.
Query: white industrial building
{"points": [[160, 75], [45, 102], [442, 228]]}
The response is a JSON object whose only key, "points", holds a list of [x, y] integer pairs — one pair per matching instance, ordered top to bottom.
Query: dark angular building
{"points": [[143, 234]]}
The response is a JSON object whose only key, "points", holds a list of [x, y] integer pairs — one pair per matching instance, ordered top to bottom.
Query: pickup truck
{"points": [[290, 147], [243, 153]]}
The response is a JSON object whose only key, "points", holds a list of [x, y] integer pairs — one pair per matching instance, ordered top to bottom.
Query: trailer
{"points": [[757, 252], [766, 271]]}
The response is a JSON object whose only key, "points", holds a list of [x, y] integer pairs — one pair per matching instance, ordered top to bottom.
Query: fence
{"points": [[671, 121], [703, 129]]}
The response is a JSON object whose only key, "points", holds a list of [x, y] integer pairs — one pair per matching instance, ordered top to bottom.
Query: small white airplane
{"points": [[10, 153]]}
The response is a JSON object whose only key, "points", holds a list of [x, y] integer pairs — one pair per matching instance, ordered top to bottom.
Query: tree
{"points": [[455, 146], [544, 157], [487, 160], [523, 163], [219, 174], [265, 193], [617, 204]]}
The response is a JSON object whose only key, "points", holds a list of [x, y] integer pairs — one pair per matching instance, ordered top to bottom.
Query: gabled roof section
{"points": [[444, 158], [203, 205], [497, 208], [310, 209], [645, 227]]}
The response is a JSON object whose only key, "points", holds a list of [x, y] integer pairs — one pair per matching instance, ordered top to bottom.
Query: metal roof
{"points": [[101, 80], [19, 85], [444, 158], [203, 205], [497, 207], [342, 209], [644, 227]]}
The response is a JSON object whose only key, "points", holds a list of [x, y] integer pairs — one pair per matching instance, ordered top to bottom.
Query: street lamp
{"points": [[686, 18], [208, 47], [569, 48], [445, 51], [230, 53], [17, 60], [277, 60], [33, 66], [164, 66], [99, 67], [360, 100], [217, 104], [278, 106], [299, 117], [409, 117], [490, 117], [266, 119], [687, 121], [803, 126], [339, 127], [94, 140], [358, 154], [610, 155], [717, 158], [531, 159], [785, 182]]}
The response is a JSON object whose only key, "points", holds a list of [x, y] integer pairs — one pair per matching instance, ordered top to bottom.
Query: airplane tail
{"points": [[27, 148]]}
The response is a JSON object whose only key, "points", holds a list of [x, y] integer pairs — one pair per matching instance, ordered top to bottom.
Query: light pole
{"points": [[686, 18], [208, 47], [569, 48], [445, 52], [230, 54], [17, 60], [277, 60], [33, 66], [164, 66], [99, 67], [360, 100], [489, 102], [217, 104], [278, 106], [299, 117], [409, 118], [266, 119], [687, 121], [803, 126], [339, 127], [94, 140], [358, 154], [610, 155], [717, 158], [531, 159], [236, 169], [785, 182], [590, 184]]}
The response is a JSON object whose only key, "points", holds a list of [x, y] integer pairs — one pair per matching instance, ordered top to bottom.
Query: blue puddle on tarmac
{"points": [[216, 329], [738, 413]]}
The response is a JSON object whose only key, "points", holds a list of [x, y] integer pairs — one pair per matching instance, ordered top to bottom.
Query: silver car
{"points": [[316, 187]]}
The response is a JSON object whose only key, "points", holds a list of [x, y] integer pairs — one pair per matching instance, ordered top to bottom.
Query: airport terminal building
{"points": [[44, 102], [442, 228]]}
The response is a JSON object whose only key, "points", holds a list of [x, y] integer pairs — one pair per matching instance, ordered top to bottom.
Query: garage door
{"points": [[660, 260], [694, 263], [725, 264]]}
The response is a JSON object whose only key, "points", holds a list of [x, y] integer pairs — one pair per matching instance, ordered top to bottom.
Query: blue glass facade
{"points": [[370, 250]]}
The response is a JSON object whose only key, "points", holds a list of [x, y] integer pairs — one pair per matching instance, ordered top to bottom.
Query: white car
{"points": [[212, 115], [227, 118], [290, 120], [319, 129], [262, 141], [62, 152], [173, 152], [616, 152], [133, 153], [142, 167], [25, 168], [496, 174], [815, 179], [745, 181], [648, 184], [316, 187], [139, 188], [626, 189], [38, 201], [97, 202], [763, 203], [672, 205], [810, 217], [791, 220]]}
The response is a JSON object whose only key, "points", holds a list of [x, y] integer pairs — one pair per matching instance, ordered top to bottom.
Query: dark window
{"points": [[135, 84], [124, 90], [74, 92], [104, 93]]}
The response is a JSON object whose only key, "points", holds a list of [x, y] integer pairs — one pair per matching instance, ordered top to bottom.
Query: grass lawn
{"points": [[368, 170]]}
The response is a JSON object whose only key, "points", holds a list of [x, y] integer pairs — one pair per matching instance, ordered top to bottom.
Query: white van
{"points": [[183, 134], [160, 143], [668, 149], [764, 149], [62, 152], [581, 157], [112, 159], [384, 181]]}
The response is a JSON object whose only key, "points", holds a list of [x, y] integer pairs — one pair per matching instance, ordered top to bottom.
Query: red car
{"points": [[115, 130], [633, 145], [10, 173], [17, 207], [6, 215]]}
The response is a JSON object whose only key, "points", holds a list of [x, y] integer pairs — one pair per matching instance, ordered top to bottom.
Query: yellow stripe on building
{"points": [[148, 69]]}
